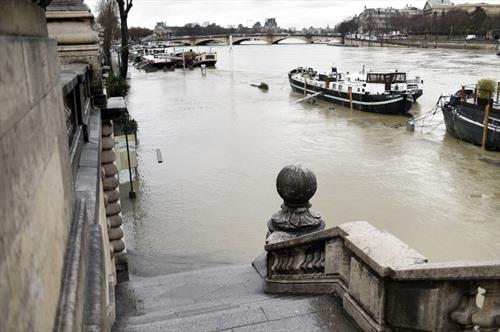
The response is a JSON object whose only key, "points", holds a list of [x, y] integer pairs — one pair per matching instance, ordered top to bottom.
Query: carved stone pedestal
{"points": [[296, 185]]}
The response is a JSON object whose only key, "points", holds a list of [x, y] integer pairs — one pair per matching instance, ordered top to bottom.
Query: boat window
{"points": [[375, 78], [399, 78], [334, 86], [340, 87], [358, 89]]}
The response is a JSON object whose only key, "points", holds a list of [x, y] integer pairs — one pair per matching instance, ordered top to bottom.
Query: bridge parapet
{"points": [[270, 38], [384, 284]]}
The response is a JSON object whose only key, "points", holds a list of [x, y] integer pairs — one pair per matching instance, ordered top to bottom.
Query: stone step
{"points": [[228, 273], [236, 284], [227, 297], [203, 308], [321, 313]]}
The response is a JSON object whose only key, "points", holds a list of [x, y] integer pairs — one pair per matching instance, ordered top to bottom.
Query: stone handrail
{"points": [[384, 284]]}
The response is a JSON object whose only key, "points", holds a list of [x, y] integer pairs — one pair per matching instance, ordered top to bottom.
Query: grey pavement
{"points": [[225, 298]]}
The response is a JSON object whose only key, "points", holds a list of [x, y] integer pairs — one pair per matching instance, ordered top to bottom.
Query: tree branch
{"points": [[129, 6]]}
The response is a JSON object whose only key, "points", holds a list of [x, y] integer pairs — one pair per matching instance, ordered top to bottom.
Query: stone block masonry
{"points": [[36, 188], [112, 202], [56, 270]]}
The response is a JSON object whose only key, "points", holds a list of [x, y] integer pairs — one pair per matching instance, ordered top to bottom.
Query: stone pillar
{"points": [[71, 23], [296, 185], [112, 200]]}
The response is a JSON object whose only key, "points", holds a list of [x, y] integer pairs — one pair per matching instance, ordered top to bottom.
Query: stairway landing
{"points": [[226, 298]]}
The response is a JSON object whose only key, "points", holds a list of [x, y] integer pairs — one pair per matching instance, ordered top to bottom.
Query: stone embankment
{"points": [[425, 43]]}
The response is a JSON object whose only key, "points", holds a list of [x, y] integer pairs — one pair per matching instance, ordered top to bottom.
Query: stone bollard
{"points": [[296, 185], [112, 194]]}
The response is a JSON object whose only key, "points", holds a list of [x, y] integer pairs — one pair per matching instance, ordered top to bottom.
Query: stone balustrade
{"points": [[384, 284]]}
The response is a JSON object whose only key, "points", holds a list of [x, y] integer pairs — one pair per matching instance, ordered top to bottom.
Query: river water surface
{"points": [[224, 142]]}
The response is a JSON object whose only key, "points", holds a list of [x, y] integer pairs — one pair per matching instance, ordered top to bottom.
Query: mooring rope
{"points": [[422, 116]]}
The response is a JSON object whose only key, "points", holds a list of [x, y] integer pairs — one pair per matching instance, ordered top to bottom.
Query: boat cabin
{"points": [[386, 78]]}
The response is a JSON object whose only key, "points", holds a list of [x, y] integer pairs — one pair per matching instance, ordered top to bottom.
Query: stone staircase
{"points": [[226, 298]]}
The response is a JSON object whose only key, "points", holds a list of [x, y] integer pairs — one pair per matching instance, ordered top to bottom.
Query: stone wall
{"points": [[71, 23], [452, 44], [36, 188], [57, 271], [385, 285]]}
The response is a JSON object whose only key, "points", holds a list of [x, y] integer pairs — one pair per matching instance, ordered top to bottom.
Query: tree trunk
{"points": [[125, 37], [124, 51]]}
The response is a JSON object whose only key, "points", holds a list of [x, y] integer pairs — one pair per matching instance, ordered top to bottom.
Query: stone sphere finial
{"points": [[296, 185]]}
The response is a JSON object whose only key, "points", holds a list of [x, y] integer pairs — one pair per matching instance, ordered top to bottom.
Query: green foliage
{"points": [[116, 86], [486, 88], [129, 125], [132, 126]]}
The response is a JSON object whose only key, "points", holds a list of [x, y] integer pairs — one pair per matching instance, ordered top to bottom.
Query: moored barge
{"points": [[384, 93], [464, 118]]}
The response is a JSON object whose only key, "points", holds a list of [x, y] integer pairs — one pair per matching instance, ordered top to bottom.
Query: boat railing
{"points": [[414, 80]]}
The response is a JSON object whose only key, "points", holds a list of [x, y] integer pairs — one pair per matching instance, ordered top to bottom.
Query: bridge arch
{"points": [[210, 39], [205, 41], [238, 41], [276, 41]]}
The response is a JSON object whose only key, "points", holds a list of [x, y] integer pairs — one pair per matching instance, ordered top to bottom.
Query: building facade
{"points": [[441, 7], [379, 19]]}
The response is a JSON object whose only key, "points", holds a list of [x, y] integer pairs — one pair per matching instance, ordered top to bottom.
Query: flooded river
{"points": [[223, 143]]}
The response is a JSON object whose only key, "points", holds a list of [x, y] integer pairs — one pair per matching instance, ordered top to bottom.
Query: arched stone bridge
{"points": [[273, 38]]}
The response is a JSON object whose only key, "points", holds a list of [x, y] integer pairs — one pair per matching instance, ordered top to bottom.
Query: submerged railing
{"points": [[384, 284]]}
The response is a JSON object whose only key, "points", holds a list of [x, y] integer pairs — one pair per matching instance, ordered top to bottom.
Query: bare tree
{"points": [[124, 7], [108, 20]]}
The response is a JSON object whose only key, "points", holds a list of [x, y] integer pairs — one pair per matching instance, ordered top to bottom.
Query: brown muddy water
{"points": [[223, 143]]}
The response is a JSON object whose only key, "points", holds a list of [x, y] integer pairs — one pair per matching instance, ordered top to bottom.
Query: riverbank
{"points": [[425, 43]]}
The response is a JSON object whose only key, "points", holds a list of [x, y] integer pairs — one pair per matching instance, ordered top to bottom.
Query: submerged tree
{"points": [[124, 7], [109, 22]]}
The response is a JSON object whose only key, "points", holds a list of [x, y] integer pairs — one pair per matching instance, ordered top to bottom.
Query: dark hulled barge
{"points": [[384, 93], [464, 117]]}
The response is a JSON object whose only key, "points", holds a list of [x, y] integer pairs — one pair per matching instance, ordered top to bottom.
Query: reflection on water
{"points": [[223, 143]]}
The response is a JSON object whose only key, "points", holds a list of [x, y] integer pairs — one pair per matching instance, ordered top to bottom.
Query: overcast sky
{"points": [[288, 13]]}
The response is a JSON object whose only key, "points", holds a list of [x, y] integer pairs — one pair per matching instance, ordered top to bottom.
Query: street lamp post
{"points": [[126, 127]]}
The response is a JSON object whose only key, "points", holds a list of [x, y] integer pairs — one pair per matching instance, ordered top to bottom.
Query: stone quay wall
{"points": [[424, 43], [36, 182], [57, 265]]}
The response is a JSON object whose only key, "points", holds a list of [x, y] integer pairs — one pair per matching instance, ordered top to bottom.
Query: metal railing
{"points": [[75, 81]]}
